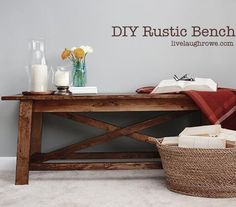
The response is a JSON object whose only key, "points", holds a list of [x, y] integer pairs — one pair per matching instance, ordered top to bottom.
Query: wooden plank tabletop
{"points": [[97, 96]]}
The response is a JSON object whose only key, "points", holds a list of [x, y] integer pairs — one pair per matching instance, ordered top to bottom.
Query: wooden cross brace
{"points": [[112, 133]]}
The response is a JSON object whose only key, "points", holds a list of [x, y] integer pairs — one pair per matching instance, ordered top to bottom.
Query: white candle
{"points": [[39, 78], [62, 78]]}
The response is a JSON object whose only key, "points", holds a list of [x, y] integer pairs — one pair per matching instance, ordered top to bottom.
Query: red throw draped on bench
{"points": [[218, 107]]}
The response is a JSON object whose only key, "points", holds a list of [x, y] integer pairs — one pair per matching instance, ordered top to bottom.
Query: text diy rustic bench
{"points": [[29, 156]]}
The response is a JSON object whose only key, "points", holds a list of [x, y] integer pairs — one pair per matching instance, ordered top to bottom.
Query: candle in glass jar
{"points": [[39, 77], [62, 78]]}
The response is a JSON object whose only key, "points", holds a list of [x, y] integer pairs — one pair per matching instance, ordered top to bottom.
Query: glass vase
{"points": [[37, 68], [79, 74]]}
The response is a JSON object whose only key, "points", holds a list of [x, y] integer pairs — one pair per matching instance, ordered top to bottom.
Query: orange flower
{"points": [[79, 53], [65, 54]]}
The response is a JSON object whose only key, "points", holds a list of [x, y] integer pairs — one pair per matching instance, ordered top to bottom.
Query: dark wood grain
{"points": [[97, 96], [108, 102], [30, 105], [114, 105], [103, 125], [36, 134], [90, 142], [23, 146], [101, 155], [97, 166]]}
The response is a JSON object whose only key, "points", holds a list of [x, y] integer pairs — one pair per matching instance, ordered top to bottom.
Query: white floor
{"points": [[138, 188]]}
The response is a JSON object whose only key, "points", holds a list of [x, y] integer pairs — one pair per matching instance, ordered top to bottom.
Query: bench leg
{"points": [[36, 133], [23, 143]]}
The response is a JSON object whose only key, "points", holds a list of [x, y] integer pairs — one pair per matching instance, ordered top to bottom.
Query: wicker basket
{"points": [[199, 172]]}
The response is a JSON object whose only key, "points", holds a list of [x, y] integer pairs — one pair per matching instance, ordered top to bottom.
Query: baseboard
{"points": [[7, 163]]}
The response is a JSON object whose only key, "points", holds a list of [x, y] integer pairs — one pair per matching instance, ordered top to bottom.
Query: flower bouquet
{"points": [[77, 56]]}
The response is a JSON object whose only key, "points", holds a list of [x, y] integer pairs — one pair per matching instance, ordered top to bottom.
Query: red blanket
{"points": [[218, 107]]}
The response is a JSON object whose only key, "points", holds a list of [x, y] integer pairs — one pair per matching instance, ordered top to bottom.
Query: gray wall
{"points": [[117, 65]]}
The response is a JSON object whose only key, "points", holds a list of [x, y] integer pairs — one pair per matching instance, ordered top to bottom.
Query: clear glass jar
{"points": [[37, 69], [62, 76], [62, 79]]}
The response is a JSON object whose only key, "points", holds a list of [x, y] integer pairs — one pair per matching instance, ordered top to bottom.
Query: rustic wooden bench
{"points": [[30, 157]]}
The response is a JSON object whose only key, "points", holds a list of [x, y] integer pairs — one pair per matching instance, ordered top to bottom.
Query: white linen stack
{"points": [[204, 137]]}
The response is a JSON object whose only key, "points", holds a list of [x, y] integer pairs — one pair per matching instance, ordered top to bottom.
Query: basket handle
{"points": [[154, 140], [158, 141]]}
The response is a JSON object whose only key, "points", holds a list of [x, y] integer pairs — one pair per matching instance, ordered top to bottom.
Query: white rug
{"points": [[138, 188]]}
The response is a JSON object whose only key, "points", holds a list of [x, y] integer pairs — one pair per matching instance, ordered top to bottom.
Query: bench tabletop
{"points": [[96, 96]]}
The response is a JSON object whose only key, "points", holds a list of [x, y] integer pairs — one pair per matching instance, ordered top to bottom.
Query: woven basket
{"points": [[199, 172]]}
